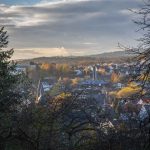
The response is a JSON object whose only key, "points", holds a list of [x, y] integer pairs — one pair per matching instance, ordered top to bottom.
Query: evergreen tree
{"points": [[9, 96]]}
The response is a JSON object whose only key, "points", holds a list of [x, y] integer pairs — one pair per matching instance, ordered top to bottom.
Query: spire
{"points": [[94, 73], [40, 91]]}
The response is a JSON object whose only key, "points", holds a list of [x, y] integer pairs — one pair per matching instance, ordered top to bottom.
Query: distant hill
{"points": [[113, 54], [117, 56]]}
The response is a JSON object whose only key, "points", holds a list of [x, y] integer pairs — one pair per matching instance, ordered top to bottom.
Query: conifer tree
{"points": [[8, 95]]}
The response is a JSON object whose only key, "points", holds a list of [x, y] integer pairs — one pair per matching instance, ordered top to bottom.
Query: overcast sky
{"points": [[68, 27]]}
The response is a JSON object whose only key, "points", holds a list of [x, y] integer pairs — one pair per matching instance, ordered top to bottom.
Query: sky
{"points": [[40, 28]]}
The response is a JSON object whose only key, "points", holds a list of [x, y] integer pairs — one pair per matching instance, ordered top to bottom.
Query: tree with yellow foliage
{"points": [[47, 67], [62, 69], [115, 77], [75, 81], [129, 91]]}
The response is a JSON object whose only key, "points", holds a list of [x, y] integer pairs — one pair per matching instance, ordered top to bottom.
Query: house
{"points": [[78, 72]]}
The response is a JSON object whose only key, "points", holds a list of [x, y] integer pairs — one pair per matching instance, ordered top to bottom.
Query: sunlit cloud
{"points": [[40, 52]]}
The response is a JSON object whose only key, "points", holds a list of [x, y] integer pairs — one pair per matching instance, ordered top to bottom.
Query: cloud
{"points": [[46, 12], [80, 26], [89, 43], [40, 52]]}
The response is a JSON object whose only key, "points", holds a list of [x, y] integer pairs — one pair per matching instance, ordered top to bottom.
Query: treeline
{"points": [[82, 60], [56, 69], [66, 123]]}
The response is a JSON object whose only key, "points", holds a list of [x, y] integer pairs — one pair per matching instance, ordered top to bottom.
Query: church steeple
{"points": [[94, 73], [40, 92]]}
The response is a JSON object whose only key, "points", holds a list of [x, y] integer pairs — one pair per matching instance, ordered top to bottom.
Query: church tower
{"points": [[94, 73]]}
